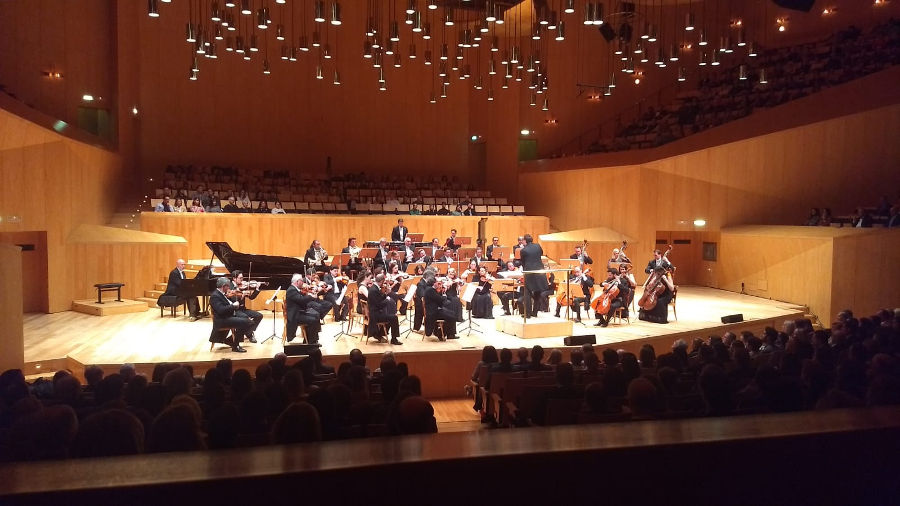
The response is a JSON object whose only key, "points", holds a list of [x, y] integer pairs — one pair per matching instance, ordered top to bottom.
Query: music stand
{"points": [[416, 236], [465, 253], [500, 253], [368, 254], [410, 285], [348, 291], [468, 293], [274, 301]]}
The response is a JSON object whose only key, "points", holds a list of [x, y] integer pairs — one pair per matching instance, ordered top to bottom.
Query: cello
{"points": [[654, 287], [602, 303]]}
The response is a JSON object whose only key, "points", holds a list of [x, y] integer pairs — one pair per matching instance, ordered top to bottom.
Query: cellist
{"points": [[587, 283], [624, 283]]}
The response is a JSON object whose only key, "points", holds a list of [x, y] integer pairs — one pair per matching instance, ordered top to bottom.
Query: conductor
{"points": [[534, 283]]}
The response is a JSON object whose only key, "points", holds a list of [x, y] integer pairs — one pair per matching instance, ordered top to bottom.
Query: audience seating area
{"points": [[791, 72], [258, 191], [885, 214], [855, 364]]}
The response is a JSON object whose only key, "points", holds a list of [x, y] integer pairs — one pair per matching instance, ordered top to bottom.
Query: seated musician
{"points": [[451, 241], [519, 244], [435, 247], [409, 251], [479, 255], [315, 256], [581, 256], [618, 256], [382, 257], [421, 257], [658, 261], [353, 262], [428, 276], [396, 277], [175, 279], [624, 281], [586, 282], [336, 285], [318, 289], [242, 291], [507, 295], [544, 296], [297, 304], [482, 305], [383, 307], [439, 307], [660, 312], [225, 316]]}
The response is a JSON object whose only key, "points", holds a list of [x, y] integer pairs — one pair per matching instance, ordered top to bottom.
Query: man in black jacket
{"points": [[399, 233], [175, 279], [534, 283], [244, 293], [439, 307], [383, 308], [299, 311], [225, 316]]}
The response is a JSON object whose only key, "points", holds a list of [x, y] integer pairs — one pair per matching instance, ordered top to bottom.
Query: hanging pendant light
{"points": [[570, 7], [153, 8], [245, 8], [214, 13], [336, 14], [588, 14], [598, 14], [319, 16], [448, 16], [261, 19], [552, 21], [417, 22], [689, 22], [394, 31], [426, 31], [561, 31], [653, 32], [189, 33], [316, 39], [701, 39], [254, 43], [304, 43], [229, 44], [239, 44], [751, 49], [326, 51], [412, 51], [285, 52], [673, 52], [444, 54], [293, 56], [427, 57], [704, 57], [715, 59], [376, 60], [398, 60], [492, 67], [266, 69], [742, 72], [320, 74], [193, 75], [682, 76], [762, 76], [337, 78], [612, 80], [444, 90], [607, 91], [490, 94], [432, 99], [533, 101], [546, 106]]}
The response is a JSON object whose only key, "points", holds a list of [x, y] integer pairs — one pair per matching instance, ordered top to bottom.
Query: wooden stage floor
{"points": [[74, 340]]}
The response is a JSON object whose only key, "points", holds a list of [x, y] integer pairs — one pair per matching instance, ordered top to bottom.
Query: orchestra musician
{"points": [[399, 233], [451, 241], [495, 243], [519, 244], [435, 247], [409, 251], [479, 255], [315, 256], [581, 256], [619, 256], [382, 257], [422, 257], [659, 261], [353, 263], [396, 276], [428, 276], [175, 279], [586, 282], [534, 283], [336, 284], [626, 284], [240, 291], [506, 296], [544, 297], [297, 304], [482, 305], [383, 307], [439, 307], [660, 312], [225, 316]]}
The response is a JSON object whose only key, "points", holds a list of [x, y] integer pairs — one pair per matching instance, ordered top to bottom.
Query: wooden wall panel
{"points": [[291, 235], [34, 268], [866, 272], [12, 340]]}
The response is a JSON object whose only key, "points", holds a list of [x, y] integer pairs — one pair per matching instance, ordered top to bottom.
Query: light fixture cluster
{"points": [[491, 44]]}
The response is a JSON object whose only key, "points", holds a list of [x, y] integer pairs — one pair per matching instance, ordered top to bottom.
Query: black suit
{"points": [[398, 234], [381, 258], [584, 258], [310, 259], [653, 264], [175, 278], [534, 283], [417, 303], [439, 307], [383, 309], [340, 311], [299, 312], [224, 316], [255, 317]]}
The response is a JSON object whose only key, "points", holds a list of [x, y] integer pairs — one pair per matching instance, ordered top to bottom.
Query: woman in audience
{"points": [[244, 200], [179, 206], [197, 207], [263, 207], [278, 209], [825, 217], [813, 219]]}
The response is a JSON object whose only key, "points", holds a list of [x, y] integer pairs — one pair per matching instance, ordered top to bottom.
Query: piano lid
{"points": [[277, 270]]}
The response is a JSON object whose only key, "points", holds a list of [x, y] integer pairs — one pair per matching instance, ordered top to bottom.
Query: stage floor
{"points": [[71, 339]]}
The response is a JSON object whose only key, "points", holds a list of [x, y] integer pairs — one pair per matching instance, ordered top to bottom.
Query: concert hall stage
{"points": [[74, 340]]}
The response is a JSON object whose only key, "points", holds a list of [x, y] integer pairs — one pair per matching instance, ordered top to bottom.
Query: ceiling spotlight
{"points": [[153, 8]]}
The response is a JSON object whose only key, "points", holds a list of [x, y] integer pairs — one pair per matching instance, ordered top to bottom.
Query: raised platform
{"points": [[109, 307], [533, 328], [75, 340]]}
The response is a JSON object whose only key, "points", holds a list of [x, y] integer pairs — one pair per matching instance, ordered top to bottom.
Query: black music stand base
{"points": [[470, 325]]}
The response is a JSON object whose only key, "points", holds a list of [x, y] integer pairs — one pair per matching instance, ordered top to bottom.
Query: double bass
{"points": [[654, 287]]}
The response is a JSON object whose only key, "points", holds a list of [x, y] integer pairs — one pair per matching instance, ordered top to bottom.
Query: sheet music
{"points": [[510, 274], [469, 292], [410, 293], [274, 296], [341, 297]]}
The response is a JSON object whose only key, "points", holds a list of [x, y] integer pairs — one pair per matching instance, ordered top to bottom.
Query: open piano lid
{"points": [[274, 269]]}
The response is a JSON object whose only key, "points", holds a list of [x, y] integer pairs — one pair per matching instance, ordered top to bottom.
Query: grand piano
{"points": [[275, 270]]}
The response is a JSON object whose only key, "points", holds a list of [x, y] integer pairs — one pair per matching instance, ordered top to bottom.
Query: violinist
{"points": [[409, 251], [479, 256], [382, 257], [395, 276], [428, 277], [624, 282], [336, 283], [587, 283], [239, 291], [298, 302], [482, 305], [439, 307], [383, 308]]}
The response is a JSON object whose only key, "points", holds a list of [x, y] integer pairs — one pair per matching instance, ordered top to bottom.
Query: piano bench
{"points": [[172, 302]]}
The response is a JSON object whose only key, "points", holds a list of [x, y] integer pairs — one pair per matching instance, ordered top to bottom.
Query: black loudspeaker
{"points": [[797, 5], [626, 7], [607, 32], [733, 318], [579, 340], [296, 350]]}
